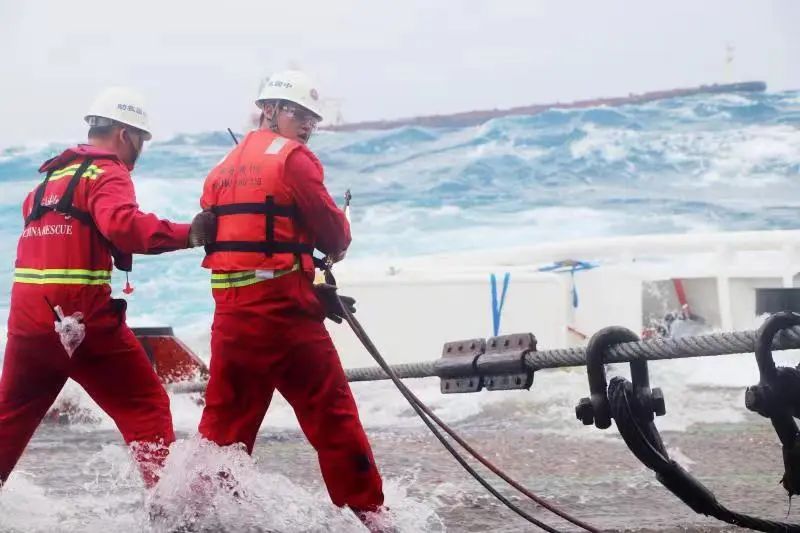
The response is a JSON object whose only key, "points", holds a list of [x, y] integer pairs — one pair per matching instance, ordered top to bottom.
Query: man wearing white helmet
{"points": [[273, 210], [81, 216]]}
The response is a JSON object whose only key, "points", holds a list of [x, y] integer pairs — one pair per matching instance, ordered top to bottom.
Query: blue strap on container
{"points": [[571, 266], [574, 289], [498, 309]]}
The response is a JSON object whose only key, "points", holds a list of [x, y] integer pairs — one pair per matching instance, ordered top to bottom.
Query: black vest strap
{"points": [[269, 202], [65, 203], [64, 206], [254, 208], [37, 211], [269, 246], [276, 247]]}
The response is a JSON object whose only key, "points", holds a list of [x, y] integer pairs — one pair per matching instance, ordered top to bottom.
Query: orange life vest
{"points": [[258, 226]]}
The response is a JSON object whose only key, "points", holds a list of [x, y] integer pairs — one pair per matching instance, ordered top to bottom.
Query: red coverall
{"points": [[69, 263], [270, 335]]}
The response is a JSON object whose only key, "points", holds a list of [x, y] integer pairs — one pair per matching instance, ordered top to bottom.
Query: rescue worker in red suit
{"points": [[273, 210], [84, 213]]}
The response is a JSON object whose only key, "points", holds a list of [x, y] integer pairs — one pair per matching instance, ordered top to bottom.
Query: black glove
{"points": [[204, 229], [326, 294]]}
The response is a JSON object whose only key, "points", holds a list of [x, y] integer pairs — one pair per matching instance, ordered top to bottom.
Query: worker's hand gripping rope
{"points": [[326, 294]]}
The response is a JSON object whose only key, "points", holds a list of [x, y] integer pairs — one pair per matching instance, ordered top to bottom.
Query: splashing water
{"points": [[703, 163]]}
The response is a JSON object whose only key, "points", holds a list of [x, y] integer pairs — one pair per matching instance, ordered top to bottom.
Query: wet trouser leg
{"points": [[252, 353], [34, 371], [115, 371], [314, 383], [238, 393]]}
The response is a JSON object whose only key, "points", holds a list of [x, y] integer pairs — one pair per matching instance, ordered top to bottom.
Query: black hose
{"points": [[642, 437]]}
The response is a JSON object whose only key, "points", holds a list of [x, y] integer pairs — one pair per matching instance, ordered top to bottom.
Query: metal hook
{"points": [[763, 397], [771, 399], [595, 409]]}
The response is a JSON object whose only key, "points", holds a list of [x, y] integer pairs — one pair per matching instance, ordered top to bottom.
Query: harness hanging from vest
{"points": [[65, 206]]}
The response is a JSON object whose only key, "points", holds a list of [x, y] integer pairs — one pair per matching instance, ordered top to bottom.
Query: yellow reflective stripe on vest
{"points": [[92, 172], [62, 276], [230, 280]]}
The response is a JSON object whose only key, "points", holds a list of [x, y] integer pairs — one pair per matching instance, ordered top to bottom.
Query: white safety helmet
{"points": [[293, 86], [119, 104]]}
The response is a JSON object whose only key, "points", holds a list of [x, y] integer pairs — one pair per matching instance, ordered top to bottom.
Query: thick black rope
{"points": [[713, 344], [649, 350], [415, 403], [428, 417], [642, 437]]}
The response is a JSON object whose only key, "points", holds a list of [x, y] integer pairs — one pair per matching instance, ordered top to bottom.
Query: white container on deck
{"points": [[410, 308]]}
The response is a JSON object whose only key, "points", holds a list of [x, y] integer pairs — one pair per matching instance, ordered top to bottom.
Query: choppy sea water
{"points": [[709, 163]]}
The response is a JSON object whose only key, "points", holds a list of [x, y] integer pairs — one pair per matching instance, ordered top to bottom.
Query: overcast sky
{"points": [[200, 63]]}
